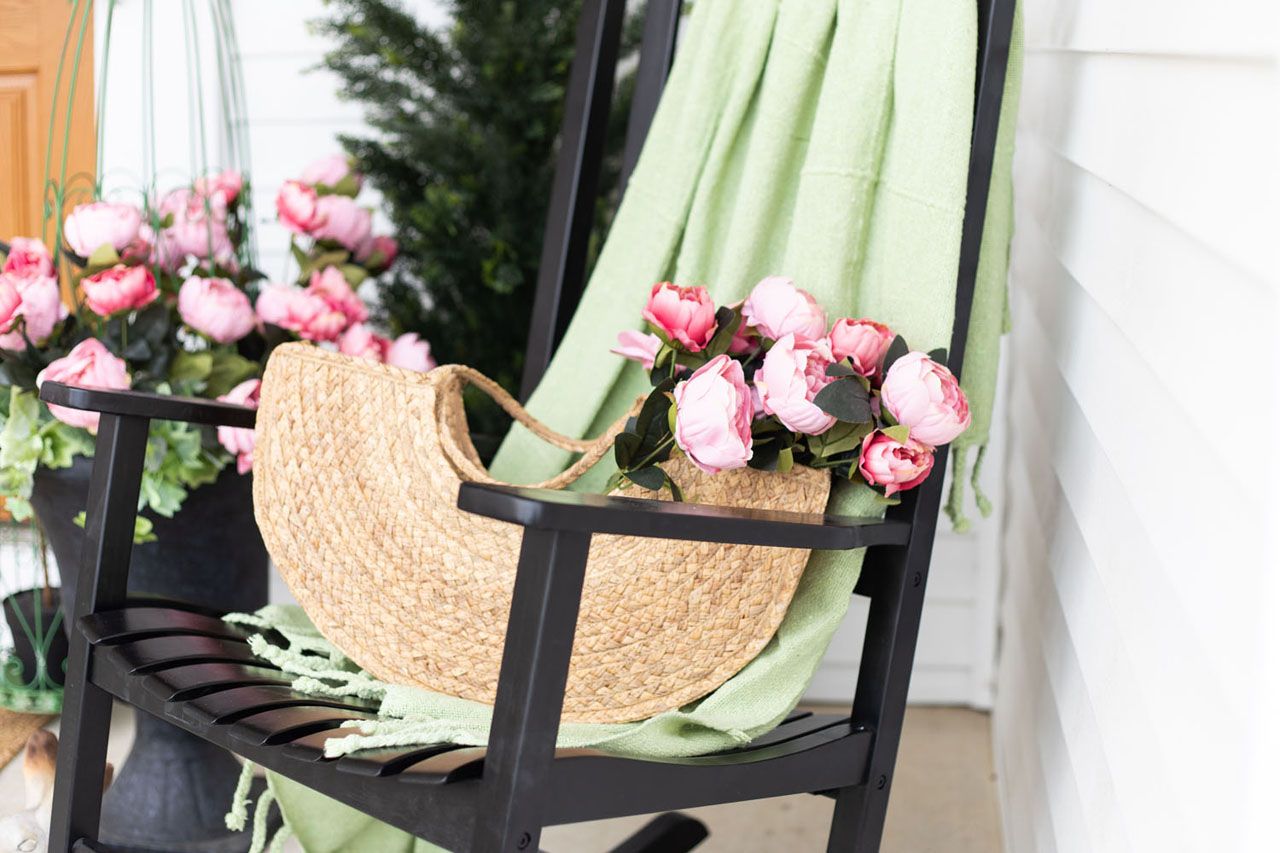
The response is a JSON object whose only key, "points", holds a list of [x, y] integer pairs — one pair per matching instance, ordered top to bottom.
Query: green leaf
{"points": [[103, 257], [354, 274], [727, 322], [897, 350], [939, 355], [193, 367], [841, 368], [229, 370], [846, 400], [898, 433], [841, 438], [624, 449], [785, 460], [652, 478], [677, 494], [143, 529]]}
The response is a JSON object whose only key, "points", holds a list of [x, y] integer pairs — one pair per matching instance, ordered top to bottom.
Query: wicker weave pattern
{"points": [[356, 473]]}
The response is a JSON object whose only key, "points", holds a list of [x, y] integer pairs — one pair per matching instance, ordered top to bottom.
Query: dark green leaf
{"points": [[727, 322], [897, 350], [939, 355], [191, 367], [840, 368], [229, 370], [846, 400], [624, 449], [652, 478]]}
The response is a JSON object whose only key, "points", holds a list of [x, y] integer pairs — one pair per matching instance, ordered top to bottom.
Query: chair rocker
{"points": [[191, 669]]}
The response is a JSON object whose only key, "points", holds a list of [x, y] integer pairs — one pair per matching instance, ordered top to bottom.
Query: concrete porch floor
{"points": [[943, 799]]}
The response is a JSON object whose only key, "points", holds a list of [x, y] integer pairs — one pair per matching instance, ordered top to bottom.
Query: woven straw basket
{"points": [[356, 474]]}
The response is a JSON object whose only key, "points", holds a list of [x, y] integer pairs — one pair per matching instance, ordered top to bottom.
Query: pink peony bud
{"points": [[330, 171], [225, 186], [297, 207], [343, 221], [101, 223], [198, 229], [378, 253], [28, 257], [331, 286], [119, 288], [10, 302], [217, 308], [777, 308], [40, 309], [300, 311], [686, 315], [360, 341], [863, 342], [638, 346], [411, 353], [88, 365], [793, 373], [926, 397], [713, 416], [238, 440], [892, 464]]}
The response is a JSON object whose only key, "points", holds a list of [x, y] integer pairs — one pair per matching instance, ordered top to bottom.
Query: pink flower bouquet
{"points": [[165, 299], [767, 384]]}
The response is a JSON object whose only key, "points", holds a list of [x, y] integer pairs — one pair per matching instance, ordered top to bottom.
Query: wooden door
{"points": [[32, 33]]}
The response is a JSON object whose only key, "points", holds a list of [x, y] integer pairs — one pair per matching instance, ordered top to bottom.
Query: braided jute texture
{"points": [[356, 474]]}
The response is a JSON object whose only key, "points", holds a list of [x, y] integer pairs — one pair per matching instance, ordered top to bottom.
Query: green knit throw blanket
{"points": [[825, 140]]}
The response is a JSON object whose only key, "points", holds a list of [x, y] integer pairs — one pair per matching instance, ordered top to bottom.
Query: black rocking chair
{"points": [[191, 669]]}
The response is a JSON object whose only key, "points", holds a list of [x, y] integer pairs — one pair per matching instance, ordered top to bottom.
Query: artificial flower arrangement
{"points": [[165, 300], [852, 398]]}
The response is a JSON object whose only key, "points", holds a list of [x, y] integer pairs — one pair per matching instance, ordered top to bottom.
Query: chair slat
{"points": [[138, 623], [157, 653], [182, 683], [228, 706], [282, 725], [388, 762]]}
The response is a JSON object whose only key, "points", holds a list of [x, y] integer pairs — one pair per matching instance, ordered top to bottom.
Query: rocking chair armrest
{"points": [[140, 404], [551, 509]]}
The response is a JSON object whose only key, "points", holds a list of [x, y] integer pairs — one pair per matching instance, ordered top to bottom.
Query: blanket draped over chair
{"points": [[825, 140]]}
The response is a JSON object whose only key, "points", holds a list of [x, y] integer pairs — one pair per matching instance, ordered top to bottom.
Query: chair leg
{"points": [[82, 763], [858, 822], [668, 833]]}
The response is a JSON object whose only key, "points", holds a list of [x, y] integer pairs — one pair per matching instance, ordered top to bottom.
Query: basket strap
{"points": [[592, 450]]}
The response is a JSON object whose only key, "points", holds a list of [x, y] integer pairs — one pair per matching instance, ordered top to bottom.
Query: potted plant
{"points": [[163, 297]]}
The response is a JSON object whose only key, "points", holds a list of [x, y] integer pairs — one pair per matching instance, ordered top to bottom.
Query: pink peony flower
{"points": [[330, 171], [225, 186], [297, 207], [343, 221], [100, 223], [198, 229], [378, 253], [28, 258], [331, 286], [119, 288], [10, 302], [217, 308], [777, 308], [40, 309], [300, 311], [686, 315], [360, 341], [863, 342], [638, 346], [411, 353], [88, 365], [793, 373], [926, 397], [713, 416], [238, 440], [892, 464]]}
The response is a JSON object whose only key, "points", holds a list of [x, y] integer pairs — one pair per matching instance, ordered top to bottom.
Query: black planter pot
{"points": [[20, 612], [174, 789]]}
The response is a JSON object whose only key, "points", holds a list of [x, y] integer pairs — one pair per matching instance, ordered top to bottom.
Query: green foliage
{"points": [[464, 127], [30, 437]]}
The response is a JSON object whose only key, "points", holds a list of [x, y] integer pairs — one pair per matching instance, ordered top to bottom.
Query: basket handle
{"points": [[457, 445]]}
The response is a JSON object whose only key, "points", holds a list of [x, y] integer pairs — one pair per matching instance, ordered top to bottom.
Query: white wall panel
{"points": [[1140, 468]]}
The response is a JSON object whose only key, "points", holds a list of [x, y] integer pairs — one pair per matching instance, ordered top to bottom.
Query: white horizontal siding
{"points": [[1139, 478]]}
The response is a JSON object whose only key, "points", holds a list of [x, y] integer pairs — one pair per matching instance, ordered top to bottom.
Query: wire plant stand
{"points": [[33, 638]]}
